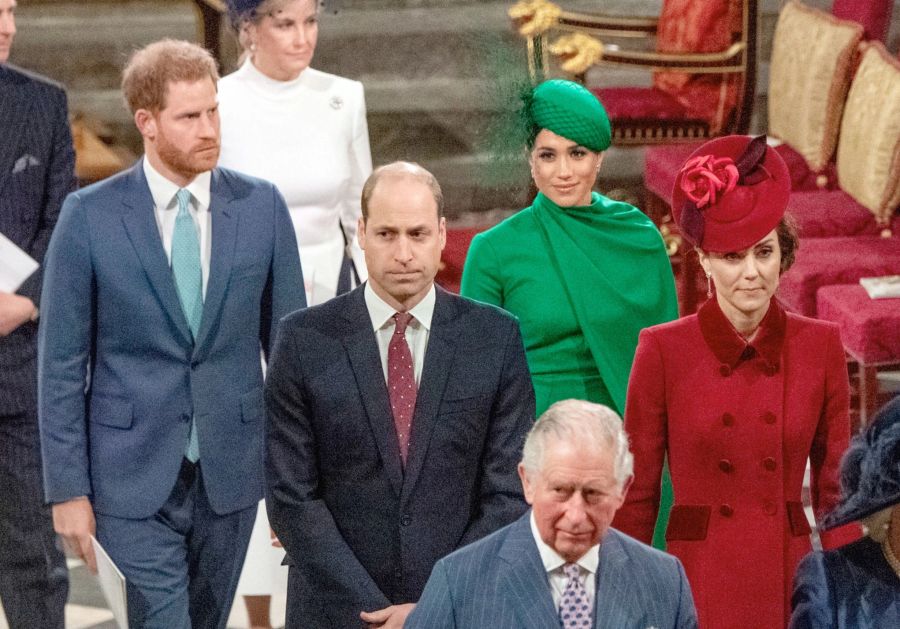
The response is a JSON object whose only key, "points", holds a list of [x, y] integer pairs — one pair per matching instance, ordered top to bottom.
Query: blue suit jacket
{"points": [[37, 171], [119, 374], [363, 531], [500, 583], [851, 587]]}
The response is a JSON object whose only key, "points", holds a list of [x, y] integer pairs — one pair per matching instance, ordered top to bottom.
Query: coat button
{"points": [[725, 370], [771, 370], [185, 417], [769, 417], [728, 419], [769, 464], [726, 466], [769, 508], [726, 511], [405, 520], [398, 574]]}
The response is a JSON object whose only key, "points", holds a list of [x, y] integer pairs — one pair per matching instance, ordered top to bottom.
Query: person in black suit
{"points": [[37, 164], [396, 416]]}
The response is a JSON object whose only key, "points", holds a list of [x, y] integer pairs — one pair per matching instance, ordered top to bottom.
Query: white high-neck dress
{"points": [[309, 137]]}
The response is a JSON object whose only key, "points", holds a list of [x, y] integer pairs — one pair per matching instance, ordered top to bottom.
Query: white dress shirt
{"points": [[166, 209], [417, 331], [553, 564]]}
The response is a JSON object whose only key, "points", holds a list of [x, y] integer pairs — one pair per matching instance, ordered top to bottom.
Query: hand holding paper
{"points": [[16, 266], [14, 311], [74, 521]]}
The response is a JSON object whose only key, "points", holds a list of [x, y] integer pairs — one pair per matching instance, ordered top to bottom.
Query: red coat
{"points": [[738, 422]]}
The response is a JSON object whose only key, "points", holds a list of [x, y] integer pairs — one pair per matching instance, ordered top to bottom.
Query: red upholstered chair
{"points": [[874, 16], [814, 55], [703, 64], [868, 171], [454, 256], [870, 332]]}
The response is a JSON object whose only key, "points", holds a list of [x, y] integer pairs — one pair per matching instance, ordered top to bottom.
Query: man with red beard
{"points": [[161, 283]]}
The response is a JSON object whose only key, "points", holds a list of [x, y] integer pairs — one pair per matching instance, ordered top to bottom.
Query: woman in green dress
{"points": [[583, 273]]}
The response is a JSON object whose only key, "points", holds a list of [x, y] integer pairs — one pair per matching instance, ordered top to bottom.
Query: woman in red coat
{"points": [[738, 396]]}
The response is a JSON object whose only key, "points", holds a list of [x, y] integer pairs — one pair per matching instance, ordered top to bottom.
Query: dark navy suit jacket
{"points": [[37, 171], [119, 374], [363, 532], [500, 583], [851, 587]]}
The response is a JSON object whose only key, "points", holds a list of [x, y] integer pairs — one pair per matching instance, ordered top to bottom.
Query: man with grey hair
{"points": [[562, 564]]}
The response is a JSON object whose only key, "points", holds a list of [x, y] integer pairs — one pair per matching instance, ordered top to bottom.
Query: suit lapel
{"points": [[15, 105], [140, 224], [224, 236], [362, 349], [435, 372], [525, 578], [614, 604]]}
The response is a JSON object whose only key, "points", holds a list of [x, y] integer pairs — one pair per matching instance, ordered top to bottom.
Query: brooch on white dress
{"points": [[336, 102]]}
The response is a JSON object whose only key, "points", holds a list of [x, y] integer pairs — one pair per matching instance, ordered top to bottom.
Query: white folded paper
{"points": [[16, 266], [881, 287], [112, 584]]}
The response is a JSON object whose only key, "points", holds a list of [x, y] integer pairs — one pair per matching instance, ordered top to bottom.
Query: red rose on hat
{"points": [[704, 176]]}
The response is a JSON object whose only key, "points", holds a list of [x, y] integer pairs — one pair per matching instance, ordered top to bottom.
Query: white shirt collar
{"points": [[163, 190], [380, 312], [551, 559]]}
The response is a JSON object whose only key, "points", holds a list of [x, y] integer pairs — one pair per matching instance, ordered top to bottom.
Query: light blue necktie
{"points": [[189, 282]]}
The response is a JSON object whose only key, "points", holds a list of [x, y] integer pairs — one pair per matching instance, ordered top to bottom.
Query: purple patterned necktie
{"points": [[401, 381], [574, 609]]}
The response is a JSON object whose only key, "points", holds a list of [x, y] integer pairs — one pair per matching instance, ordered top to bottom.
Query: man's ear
{"points": [[145, 122], [361, 232], [527, 487], [625, 487]]}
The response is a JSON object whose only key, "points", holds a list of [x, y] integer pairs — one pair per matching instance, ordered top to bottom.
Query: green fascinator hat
{"points": [[570, 110]]}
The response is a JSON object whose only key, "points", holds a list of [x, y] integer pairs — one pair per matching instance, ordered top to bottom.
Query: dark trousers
{"points": [[182, 564], [34, 580]]}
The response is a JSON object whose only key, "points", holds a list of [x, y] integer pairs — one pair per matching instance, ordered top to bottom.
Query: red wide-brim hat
{"points": [[751, 190]]}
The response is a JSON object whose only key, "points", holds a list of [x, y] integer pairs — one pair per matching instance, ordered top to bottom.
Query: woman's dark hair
{"points": [[788, 241]]}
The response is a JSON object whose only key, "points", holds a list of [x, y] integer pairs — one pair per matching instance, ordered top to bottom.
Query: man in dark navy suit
{"points": [[37, 164], [161, 284], [397, 412]]}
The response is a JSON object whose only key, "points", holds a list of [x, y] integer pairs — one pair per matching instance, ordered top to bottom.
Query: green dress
{"points": [[583, 282]]}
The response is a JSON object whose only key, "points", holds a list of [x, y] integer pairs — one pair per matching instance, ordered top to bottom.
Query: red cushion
{"points": [[874, 15], [639, 103], [661, 165], [803, 178], [831, 213], [454, 256], [828, 261], [870, 328]]}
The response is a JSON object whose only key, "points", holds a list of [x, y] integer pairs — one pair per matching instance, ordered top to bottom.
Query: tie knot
{"points": [[183, 196], [401, 320], [571, 570]]}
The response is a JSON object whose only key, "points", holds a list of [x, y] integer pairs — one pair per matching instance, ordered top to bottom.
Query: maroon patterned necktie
{"points": [[401, 381]]}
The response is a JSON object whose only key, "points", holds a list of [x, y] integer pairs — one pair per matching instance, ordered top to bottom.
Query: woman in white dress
{"points": [[302, 129], [306, 132]]}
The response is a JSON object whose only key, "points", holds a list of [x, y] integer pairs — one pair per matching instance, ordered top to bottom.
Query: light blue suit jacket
{"points": [[119, 375], [499, 582]]}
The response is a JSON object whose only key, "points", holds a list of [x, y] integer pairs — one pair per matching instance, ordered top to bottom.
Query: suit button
{"points": [[725, 370], [771, 370], [185, 417], [769, 417], [728, 419], [769, 464], [726, 466], [769, 508], [726, 511], [405, 520], [398, 574]]}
